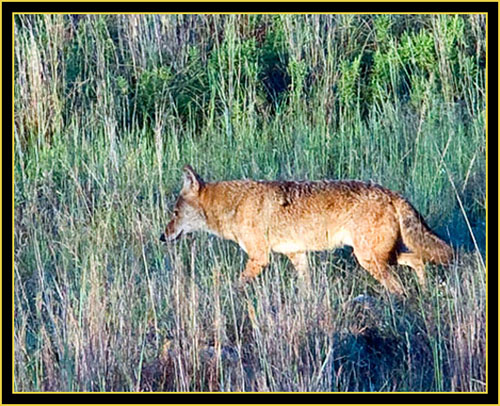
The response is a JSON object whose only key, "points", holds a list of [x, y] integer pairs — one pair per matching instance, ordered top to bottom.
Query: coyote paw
{"points": [[244, 281]]}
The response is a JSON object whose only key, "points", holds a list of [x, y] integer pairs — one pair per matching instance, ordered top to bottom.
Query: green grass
{"points": [[107, 111]]}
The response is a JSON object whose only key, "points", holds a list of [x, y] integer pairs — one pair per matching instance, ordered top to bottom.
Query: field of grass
{"points": [[108, 108]]}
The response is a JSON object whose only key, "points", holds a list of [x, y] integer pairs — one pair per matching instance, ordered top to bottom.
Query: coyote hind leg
{"points": [[374, 244], [414, 261], [379, 269]]}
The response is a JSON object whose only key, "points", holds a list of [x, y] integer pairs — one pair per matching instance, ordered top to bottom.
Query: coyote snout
{"points": [[188, 213], [293, 218], [171, 233]]}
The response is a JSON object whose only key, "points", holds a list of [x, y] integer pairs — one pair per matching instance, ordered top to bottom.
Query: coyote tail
{"points": [[417, 235]]}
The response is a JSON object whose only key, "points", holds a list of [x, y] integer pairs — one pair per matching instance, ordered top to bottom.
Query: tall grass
{"points": [[107, 110]]}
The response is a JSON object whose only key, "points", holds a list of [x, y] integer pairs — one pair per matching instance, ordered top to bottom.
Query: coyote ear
{"points": [[192, 181]]}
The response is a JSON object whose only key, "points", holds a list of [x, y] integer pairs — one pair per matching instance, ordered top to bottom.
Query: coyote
{"points": [[292, 218]]}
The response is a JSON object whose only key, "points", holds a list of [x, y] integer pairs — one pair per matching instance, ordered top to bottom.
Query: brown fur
{"points": [[295, 217]]}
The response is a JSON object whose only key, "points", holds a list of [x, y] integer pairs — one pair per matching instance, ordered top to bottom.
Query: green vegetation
{"points": [[108, 108]]}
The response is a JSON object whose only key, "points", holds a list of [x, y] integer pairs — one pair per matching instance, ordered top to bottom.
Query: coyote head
{"points": [[188, 214]]}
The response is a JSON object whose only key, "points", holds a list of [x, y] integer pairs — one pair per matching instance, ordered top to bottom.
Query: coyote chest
{"points": [[293, 218]]}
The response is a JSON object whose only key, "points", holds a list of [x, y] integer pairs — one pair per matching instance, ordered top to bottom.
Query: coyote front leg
{"points": [[299, 261], [253, 268]]}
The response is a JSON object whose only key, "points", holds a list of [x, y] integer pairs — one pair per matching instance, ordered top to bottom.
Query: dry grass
{"points": [[109, 108]]}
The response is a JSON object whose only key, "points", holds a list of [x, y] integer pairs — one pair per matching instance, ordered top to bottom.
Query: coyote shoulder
{"points": [[295, 217]]}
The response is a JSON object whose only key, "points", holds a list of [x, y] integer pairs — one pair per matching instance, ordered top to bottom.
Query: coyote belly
{"points": [[293, 218]]}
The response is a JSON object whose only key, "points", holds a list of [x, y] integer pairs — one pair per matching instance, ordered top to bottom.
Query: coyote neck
{"points": [[219, 201]]}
